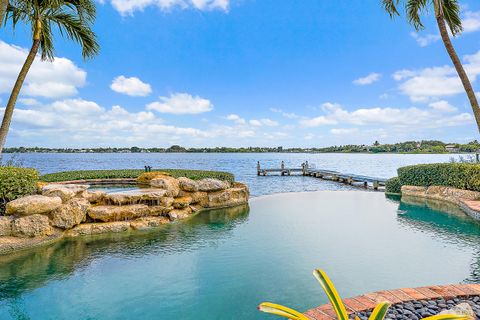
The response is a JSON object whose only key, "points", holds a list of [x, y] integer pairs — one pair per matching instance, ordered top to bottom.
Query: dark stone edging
{"points": [[365, 303]]}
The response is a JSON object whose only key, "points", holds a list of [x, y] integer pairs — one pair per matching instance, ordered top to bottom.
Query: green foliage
{"points": [[414, 9], [73, 19], [425, 146], [133, 173], [457, 175], [16, 182], [393, 186]]}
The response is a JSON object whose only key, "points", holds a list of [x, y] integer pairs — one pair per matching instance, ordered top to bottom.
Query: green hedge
{"points": [[133, 173], [457, 175], [16, 182], [393, 186]]}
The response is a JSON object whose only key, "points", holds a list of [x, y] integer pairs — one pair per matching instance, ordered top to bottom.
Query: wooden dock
{"points": [[308, 170]]}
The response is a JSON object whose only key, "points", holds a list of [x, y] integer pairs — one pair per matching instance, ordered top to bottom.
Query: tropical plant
{"points": [[3, 10], [447, 13], [73, 18], [378, 313]]}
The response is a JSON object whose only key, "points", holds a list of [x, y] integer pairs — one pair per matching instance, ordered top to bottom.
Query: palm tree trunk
{"points": [[3, 10], [457, 63], [7, 117]]}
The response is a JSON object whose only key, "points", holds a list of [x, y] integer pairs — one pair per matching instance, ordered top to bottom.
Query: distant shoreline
{"points": [[407, 147], [233, 152]]}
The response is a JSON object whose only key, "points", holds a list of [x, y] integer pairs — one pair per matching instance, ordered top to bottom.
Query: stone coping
{"points": [[468, 201], [368, 301]]}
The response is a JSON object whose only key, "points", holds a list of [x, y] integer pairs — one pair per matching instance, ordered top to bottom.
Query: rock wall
{"points": [[468, 201], [72, 209]]}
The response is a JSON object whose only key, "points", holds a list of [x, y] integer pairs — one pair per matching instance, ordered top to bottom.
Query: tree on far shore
{"points": [[447, 13], [73, 18]]}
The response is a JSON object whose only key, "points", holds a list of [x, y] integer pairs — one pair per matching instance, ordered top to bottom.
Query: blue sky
{"points": [[244, 73]]}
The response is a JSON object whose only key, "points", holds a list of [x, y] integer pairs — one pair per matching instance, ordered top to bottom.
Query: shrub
{"points": [[133, 174], [457, 175], [16, 182], [393, 186]]}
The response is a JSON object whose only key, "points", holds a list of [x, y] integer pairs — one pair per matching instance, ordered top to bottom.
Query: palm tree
{"points": [[3, 10], [447, 12], [73, 18]]}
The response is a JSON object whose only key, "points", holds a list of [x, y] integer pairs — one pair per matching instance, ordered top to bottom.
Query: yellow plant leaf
{"points": [[332, 294], [280, 310], [380, 311]]}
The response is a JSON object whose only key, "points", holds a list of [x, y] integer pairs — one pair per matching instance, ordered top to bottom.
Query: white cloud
{"points": [[127, 7], [471, 21], [425, 40], [64, 77], [368, 79], [435, 82], [132, 86], [28, 101], [181, 103], [443, 106], [288, 115], [433, 117], [236, 118], [263, 122], [85, 123], [343, 131]]}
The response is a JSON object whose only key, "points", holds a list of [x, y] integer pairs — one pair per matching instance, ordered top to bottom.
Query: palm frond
{"points": [[391, 7], [414, 10], [451, 13], [74, 19], [75, 29], [46, 42]]}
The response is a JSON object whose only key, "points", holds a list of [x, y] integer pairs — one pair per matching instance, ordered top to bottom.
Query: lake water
{"points": [[242, 165], [222, 264]]}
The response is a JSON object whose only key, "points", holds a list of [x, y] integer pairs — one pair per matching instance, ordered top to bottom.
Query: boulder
{"points": [[146, 177], [169, 184], [187, 184], [209, 185], [64, 191], [95, 196], [151, 196], [200, 198], [228, 198], [167, 201], [182, 202], [30, 205], [195, 208], [157, 210], [117, 213], [70, 214], [177, 214], [148, 223], [5, 226], [31, 226], [98, 228], [462, 309]]}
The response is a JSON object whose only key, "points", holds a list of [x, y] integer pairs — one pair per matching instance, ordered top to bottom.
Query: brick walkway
{"points": [[370, 300]]}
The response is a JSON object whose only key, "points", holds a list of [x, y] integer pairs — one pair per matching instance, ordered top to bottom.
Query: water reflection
{"points": [[444, 221], [31, 269]]}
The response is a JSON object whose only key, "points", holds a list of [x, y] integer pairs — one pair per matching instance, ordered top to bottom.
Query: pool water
{"points": [[221, 264]]}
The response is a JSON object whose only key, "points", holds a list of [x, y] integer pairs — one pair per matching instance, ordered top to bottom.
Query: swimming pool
{"points": [[221, 264]]}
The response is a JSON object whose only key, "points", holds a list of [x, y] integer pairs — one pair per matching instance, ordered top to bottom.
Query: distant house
{"points": [[451, 148]]}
